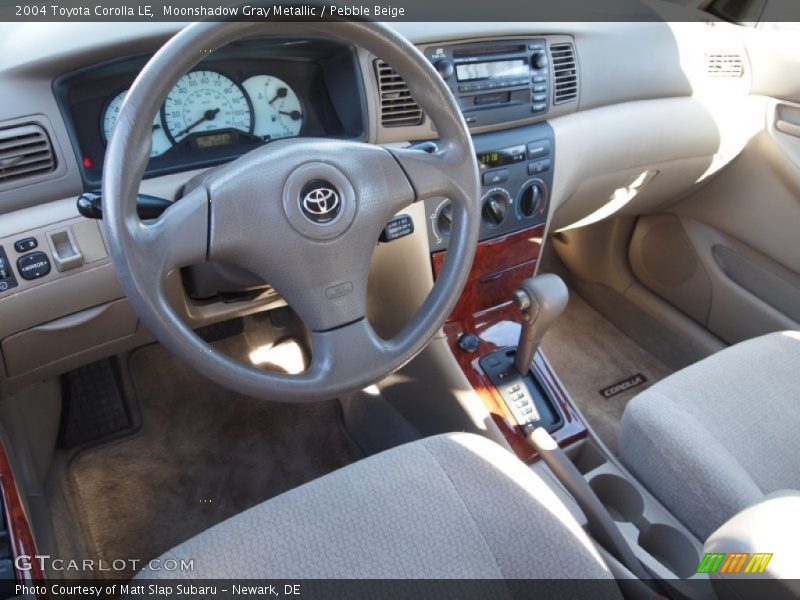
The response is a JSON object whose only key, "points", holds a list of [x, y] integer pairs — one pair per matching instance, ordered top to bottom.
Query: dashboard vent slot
{"points": [[727, 65], [565, 73], [398, 108], [25, 151]]}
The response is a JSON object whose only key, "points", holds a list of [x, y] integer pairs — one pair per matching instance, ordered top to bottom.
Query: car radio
{"points": [[496, 81]]}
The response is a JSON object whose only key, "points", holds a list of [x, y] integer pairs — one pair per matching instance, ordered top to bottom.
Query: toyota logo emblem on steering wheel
{"points": [[320, 201]]}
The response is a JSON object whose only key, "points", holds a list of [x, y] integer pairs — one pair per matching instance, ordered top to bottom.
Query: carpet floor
{"points": [[590, 354], [202, 454]]}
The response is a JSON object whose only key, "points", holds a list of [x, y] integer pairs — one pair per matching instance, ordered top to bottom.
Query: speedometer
{"points": [[206, 101], [276, 107], [160, 141]]}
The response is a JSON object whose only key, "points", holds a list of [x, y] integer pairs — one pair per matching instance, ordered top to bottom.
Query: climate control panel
{"points": [[516, 178]]}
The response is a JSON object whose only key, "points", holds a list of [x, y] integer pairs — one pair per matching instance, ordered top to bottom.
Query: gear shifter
{"points": [[541, 299]]}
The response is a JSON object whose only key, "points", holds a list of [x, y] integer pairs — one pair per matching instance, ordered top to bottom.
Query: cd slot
{"points": [[488, 50]]}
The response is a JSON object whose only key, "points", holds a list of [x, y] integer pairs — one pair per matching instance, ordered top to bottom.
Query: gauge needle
{"points": [[280, 93], [295, 115], [207, 116]]}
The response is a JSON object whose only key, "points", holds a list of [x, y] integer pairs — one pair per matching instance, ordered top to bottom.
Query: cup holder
{"points": [[623, 501], [671, 548]]}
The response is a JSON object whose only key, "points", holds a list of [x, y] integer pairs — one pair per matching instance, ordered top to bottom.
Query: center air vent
{"points": [[723, 64], [565, 72], [398, 108], [25, 151]]}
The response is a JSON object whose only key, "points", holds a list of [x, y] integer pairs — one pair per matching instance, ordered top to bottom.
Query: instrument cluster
{"points": [[237, 99], [210, 104]]}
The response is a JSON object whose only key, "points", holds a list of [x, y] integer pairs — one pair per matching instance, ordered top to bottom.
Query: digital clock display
{"points": [[504, 156], [490, 159]]}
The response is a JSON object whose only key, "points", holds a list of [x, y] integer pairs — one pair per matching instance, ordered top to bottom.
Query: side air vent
{"points": [[725, 65], [565, 70], [398, 108], [25, 151]]}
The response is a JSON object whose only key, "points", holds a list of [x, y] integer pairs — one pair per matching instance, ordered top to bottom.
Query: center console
{"points": [[517, 167]]}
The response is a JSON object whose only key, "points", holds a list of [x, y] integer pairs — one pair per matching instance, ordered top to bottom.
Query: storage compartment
{"points": [[68, 336], [587, 457], [618, 495], [671, 548]]}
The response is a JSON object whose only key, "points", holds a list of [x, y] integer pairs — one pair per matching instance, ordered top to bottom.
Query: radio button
{"points": [[538, 79], [538, 89], [539, 98], [539, 107], [538, 149], [495, 177]]}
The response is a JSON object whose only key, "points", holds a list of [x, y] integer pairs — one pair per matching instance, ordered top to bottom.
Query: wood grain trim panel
{"points": [[19, 530]]}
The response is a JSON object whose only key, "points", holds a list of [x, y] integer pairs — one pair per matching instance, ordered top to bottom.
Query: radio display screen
{"points": [[496, 69]]}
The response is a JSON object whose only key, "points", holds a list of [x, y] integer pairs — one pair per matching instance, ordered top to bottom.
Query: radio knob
{"points": [[538, 60], [445, 68]]}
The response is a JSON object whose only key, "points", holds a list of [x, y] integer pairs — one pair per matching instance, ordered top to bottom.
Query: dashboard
{"points": [[237, 98]]}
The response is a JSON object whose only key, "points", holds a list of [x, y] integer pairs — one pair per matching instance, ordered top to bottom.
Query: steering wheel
{"points": [[303, 214]]}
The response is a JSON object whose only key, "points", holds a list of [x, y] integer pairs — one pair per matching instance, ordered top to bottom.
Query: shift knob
{"points": [[541, 299]]}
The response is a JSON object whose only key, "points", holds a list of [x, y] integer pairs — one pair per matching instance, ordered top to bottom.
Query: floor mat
{"points": [[600, 366], [94, 406], [202, 455]]}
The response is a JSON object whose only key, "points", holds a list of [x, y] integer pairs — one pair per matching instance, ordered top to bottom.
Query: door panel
{"points": [[729, 254]]}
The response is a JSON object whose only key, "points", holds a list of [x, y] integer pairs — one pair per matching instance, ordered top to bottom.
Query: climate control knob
{"points": [[531, 199], [495, 207], [444, 220]]}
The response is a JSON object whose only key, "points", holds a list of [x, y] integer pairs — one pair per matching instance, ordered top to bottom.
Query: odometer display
{"points": [[206, 101]]}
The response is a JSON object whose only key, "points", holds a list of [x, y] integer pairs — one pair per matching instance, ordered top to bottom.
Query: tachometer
{"points": [[206, 101], [276, 108], [161, 142]]}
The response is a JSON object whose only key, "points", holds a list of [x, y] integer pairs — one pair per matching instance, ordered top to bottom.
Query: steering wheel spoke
{"points": [[447, 173], [178, 238]]}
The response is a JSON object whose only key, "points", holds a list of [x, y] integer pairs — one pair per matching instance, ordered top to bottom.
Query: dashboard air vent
{"points": [[728, 65], [565, 73], [398, 108], [25, 151]]}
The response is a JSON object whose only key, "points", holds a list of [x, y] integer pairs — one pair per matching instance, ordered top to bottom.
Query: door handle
{"points": [[787, 127]]}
